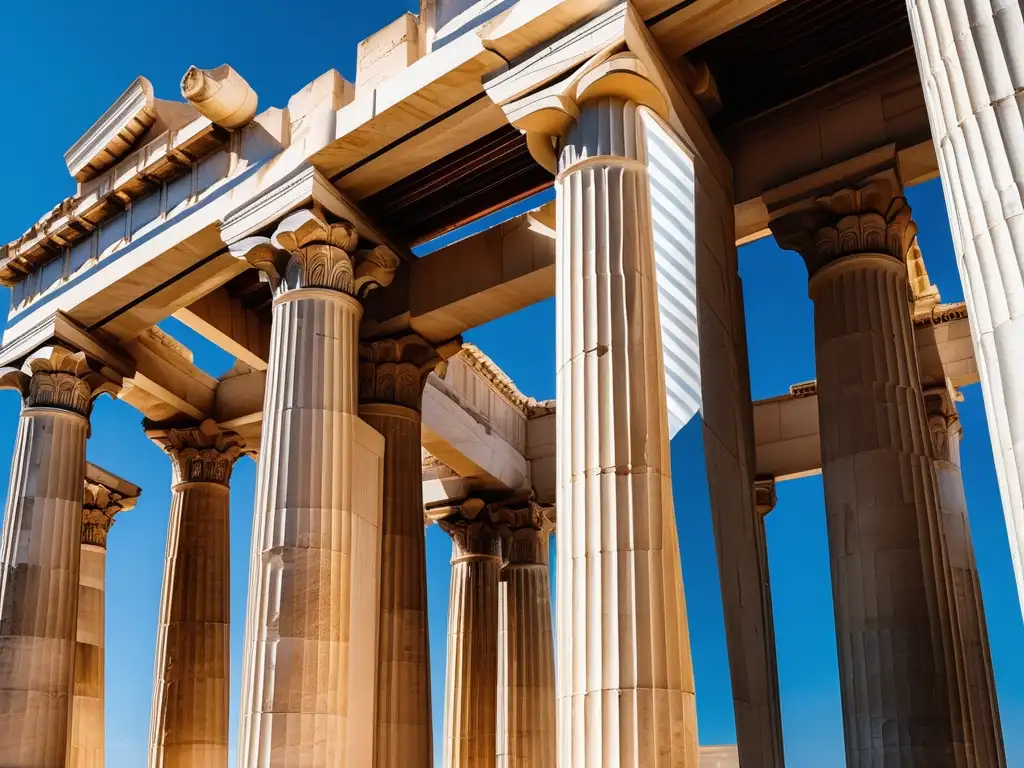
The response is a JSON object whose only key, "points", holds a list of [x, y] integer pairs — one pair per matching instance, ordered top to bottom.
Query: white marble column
{"points": [[971, 56], [392, 373], [946, 433], [100, 504], [40, 557], [900, 657], [309, 674], [471, 680], [625, 682], [526, 694], [189, 722]]}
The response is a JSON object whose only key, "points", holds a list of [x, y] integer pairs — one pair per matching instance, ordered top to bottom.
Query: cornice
{"points": [[943, 313]]}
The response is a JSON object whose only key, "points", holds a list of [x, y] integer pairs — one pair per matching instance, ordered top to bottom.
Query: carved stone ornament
{"points": [[871, 217], [308, 252], [395, 370], [54, 377], [943, 422], [200, 453], [764, 495], [99, 505], [526, 526], [474, 530]]}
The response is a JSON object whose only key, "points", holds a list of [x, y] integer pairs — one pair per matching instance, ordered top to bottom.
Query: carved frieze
{"points": [[308, 252], [395, 370], [54, 377], [200, 452], [99, 505]]}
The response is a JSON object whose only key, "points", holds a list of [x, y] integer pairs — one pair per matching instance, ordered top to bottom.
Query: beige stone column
{"points": [[972, 70], [392, 373], [946, 432], [765, 500], [100, 504], [40, 556], [900, 661], [309, 673], [471, 680], [526, 695], [189, 723]]}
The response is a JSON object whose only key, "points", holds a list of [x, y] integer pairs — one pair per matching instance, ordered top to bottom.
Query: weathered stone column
{"points": [[972, 70], [392, 373], [946, 432], [765, 500], [101, 502], [40, 557], [899, 657], [309, 675], [471, 680], [526, 696], [189, 725]]}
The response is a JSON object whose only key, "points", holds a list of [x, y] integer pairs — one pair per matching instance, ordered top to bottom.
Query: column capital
{"points": [[869, 216], [307, 251], [394, 370], [56, 377], [944, 425], [200, 452], [764, 495], [100, 503], [526, 528], [474, 529]]}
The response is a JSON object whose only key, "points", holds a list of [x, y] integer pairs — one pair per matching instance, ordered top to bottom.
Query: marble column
{"points": [[971, 57], [392, 373], [946, 433], [99, 506], [40, 556], [900, 661], [309, 673], [471, 681], [625, 683], [526, 695], [189, 724]]}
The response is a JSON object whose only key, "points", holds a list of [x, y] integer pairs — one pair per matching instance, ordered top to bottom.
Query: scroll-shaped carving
{"points": [[221, 95], [308, 252], [395, 370], [54, 377], [200, 452], [99, 505], [473, 530]]}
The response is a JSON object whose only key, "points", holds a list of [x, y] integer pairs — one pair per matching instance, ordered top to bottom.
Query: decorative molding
{"points": [[943, 313], [475, 358], [395, 370], [55, 377], [804, 388], [200, 452], [100, 503]]}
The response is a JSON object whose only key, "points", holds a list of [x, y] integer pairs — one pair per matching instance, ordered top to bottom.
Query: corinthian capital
{"points": [[868, 217], [308, 252], [394, 370], [54, 377], [199, 452], [99, 505], [527, 526], [474, 530]]}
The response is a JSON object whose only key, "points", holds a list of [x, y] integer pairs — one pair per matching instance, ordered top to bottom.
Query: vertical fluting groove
{"points": [[972, 69], [310, 547], [40, 559], [900, 677], [625, 683], [471, 688], [189, 725], [404, 730], [86, 748]]}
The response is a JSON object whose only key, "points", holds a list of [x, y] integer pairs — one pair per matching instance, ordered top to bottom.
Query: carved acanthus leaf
{"points": [[395, 370], [55, 377], [200, 452], [99, 506]]}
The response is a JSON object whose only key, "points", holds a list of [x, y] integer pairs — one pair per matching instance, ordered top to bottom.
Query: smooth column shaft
{"points": [[971, 56], [39, 559], [191, 684], [87, 718]]}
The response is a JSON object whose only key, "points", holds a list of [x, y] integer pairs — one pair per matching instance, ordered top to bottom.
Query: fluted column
{"points": [[971, 56], [392, 373], [946, 432], [765, 500], [99, 506], [40, 556], [900, 660], [309, 673], [471, 680], [625, 682], [526, 696], [189, 723]]}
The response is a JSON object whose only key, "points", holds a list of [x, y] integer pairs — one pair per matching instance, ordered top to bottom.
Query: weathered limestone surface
{"points": [[972, 69], [392, 373], [946, 433], [100, 504], [40, 557], [900, 660], [309, 674], [471, 680], [191, 687], [526, 694]]}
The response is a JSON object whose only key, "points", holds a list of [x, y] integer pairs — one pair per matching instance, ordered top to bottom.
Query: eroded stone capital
{"points": [[868, 217], [306, 251], [395, 370], [55, 377], [944, 426], [200, 452], [764, 495], [100, 504], [527, 526], [474, 530]]}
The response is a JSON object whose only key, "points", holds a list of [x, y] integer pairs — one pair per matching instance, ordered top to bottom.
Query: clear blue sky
{"points": [[64, 63]]}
